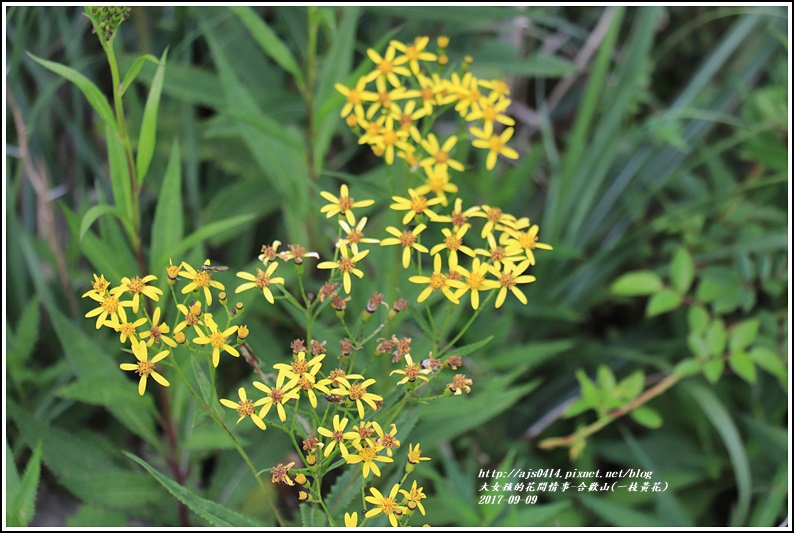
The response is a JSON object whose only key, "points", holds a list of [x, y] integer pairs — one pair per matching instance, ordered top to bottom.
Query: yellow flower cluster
{"points": [[408, 98], [505, 257]]}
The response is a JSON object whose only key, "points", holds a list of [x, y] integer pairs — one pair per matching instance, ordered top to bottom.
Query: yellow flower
{"points": [[443, 41], [415, 52], [387, 67], [498, 86], [431, 89], [467, 90], [385, 97], [355, 98], [490, 110], [406, 117], [372, 130], [388, 139], [495, 144], [439, 155], [437, 182], [342, 205], [416, 205], [494, 216], [458, 218], [355, 234], [524, 240], [408, 241], [453, 242], [269, 252], [297, 253], [498, 254], [346, 265], [173, 271], [509, 277], [202, 279], [262, 280], [475, 281], [437, 282], [137, 286], [98, 287], [109, 307], [191, 317], [126, 329], [157, 332], [217, 339], [299, 365], [145, 367], [412, 372], [307, 382], [459, 383], [358, 392], [277, 396], [246, 408], [337, 436], [386, 440], [415, 454], [367, 456], [280, 474], [415, 496], [387, 506], [351, 519]]}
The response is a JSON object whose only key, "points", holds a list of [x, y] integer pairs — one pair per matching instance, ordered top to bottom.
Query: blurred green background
{"points": [[641, 131]]}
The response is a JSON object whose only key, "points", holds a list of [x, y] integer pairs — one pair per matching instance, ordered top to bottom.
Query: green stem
{"points": [[469, 323]]}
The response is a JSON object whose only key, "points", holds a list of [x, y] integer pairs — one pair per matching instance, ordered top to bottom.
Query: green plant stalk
{"points": [[134, 209], [469, 323], [604, 421]]}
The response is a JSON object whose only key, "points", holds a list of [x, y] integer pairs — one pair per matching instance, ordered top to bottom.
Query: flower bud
{"points": [[242, 332], [180, 337], [311, 459], [300, 479]]}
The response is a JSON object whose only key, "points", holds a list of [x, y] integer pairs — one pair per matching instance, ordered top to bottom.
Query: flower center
{"points": [[412, 53], [385, 67], [427, 93], [354, 97], [384, 99], [489, 113], [406, 121], [389, 137], [496, 144], [441, 157], [346, 202], [419, 204], [494, 214], [458, 219], [355, 236], [407, 239], [526, 240], [452, 242], [269, 252], [497, 254], [346, 264], [453, 275], [202, 278], [262, 279], [475, 280], [507, 280], [438, 281], [100, 285], [135, 285], [110, 304], [191, 319], [128, 329], [155, 331], [217, 340], [300, 367], [145, 368], [412, 372], [336, 374], [305, 383], [357, 391], [276, 395], [246, 408], [364, 431], [338, 436], [387, 441], [368, 454], [388, 505]]}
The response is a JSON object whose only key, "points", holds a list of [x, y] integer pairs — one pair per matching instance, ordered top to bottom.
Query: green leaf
{"points": [[269, 42], [539, 65], [133, 71], [91, 91], [147, 138], [119, 174], [97, 211], [169, 218], [203, 233], [682, 270], [639, 283], [663, 302], [698, 319], [743, 334], [26, 335], [717, 338], [697, 345], [470, 348], [771, 362], [742, 363], [687, 367], [713, 370], [606, 379], [631, 386], [589, 392], [579, 406], [646, 416], [721, 419], [83, 466], [345, 488], [772, 501], [23, 508], [216, 514], [539, 515], [618, 515], [96, 517], [312, 517]]}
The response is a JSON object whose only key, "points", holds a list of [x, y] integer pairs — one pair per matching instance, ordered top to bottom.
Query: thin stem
{"points": [[468, 324]]}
